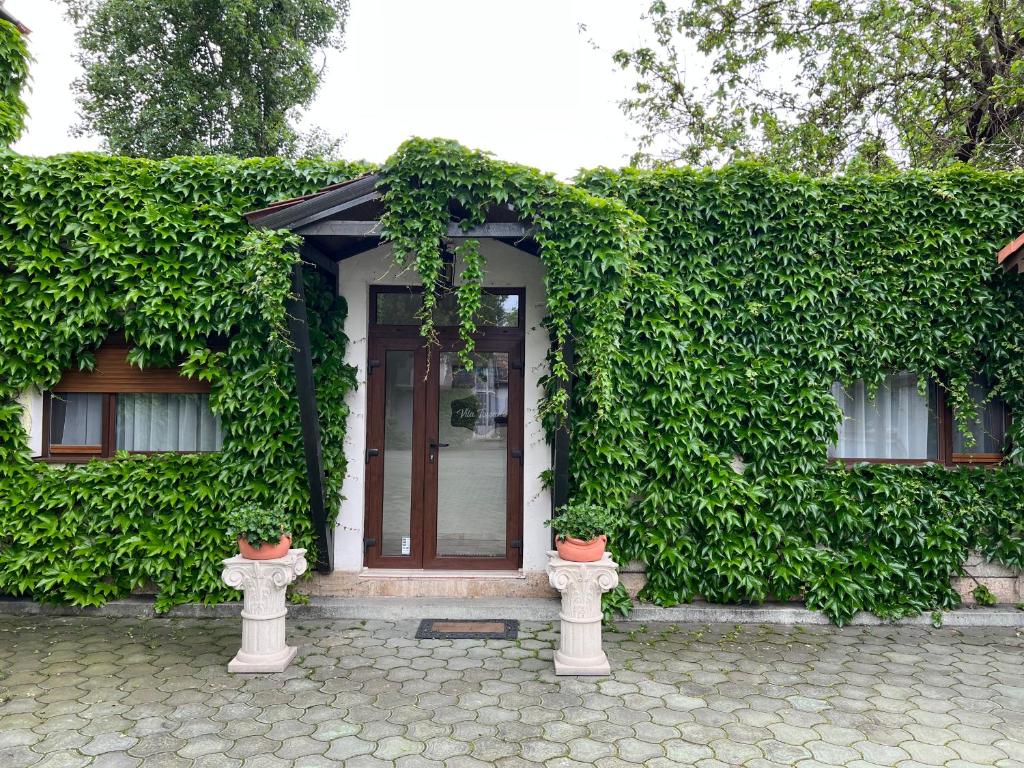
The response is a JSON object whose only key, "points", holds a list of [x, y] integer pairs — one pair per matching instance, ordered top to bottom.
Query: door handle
{"points": [[433, 447]]}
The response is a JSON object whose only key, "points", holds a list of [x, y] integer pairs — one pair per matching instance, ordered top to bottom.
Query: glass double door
{"points": [[444, 454]]}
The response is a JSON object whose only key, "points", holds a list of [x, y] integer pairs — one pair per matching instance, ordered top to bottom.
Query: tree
{"points": [[13, 76], [193, 77], [816, 84]]}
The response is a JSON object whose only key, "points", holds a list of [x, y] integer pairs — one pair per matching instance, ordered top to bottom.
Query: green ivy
{"points": [[14, 61], [588, 245], [158, 250], [759, 290], [710, 312]]}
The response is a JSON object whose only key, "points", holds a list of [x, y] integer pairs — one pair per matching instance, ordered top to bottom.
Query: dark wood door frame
{"points": [[423, 502]]}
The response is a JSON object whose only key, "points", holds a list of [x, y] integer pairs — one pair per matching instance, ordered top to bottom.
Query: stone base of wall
{"points": [[399, 583], [1006, 584]]}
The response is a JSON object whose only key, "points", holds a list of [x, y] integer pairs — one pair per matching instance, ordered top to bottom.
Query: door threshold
{"points": [[424, 573]]}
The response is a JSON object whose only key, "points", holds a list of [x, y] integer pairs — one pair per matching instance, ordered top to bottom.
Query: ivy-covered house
{"points": [[789, 387]]}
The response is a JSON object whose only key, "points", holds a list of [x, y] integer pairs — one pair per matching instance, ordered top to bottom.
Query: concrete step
{"points": [[521, 608]]}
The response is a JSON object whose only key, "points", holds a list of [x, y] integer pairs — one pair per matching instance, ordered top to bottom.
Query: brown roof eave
{"points": [[6, 16], [274, 216], [1010, 254]]}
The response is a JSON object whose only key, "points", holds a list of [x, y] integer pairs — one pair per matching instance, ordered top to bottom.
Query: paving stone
{"points": [[111, 692], [108, 742]]}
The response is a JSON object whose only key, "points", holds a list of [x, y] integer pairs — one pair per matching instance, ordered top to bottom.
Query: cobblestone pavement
{"points": [[156, 693]]}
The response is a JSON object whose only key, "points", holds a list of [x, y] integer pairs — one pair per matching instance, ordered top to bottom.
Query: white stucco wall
{"points": [[506, 267], [31, 401]]}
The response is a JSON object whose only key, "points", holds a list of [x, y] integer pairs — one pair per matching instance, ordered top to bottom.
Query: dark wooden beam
{"points": [[341, 229], [374, 229], [313, 255], [302, 357]]}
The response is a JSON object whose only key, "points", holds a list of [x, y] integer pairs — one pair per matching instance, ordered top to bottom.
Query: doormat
{"points": [[486, 629]]}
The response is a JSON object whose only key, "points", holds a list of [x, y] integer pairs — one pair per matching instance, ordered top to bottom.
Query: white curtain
{"points": [[76, 418], [159, 422], [895, 424]]}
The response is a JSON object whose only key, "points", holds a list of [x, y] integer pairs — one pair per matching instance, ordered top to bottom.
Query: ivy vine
{"points": [[90, 245], [588, 245], [758, 291], [710, 312]]}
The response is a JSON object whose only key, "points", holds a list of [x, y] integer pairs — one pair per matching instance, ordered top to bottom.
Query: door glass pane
{"points": [[398, 308], [399, 383], [76, 418], [471, 472]]}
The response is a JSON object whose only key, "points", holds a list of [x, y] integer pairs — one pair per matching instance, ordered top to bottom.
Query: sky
{"points": [[518, 79]]}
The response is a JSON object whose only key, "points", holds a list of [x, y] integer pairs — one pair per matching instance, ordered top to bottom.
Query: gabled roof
{"points": [[6, 16], [299, 211], [344, 219], [1010, 254]]}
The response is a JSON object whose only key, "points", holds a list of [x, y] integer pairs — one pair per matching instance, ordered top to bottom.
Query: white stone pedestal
{"points": [[264, 583], [581, 585]]}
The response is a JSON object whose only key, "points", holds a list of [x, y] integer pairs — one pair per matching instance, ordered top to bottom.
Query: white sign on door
{"points": [[406, 545]]}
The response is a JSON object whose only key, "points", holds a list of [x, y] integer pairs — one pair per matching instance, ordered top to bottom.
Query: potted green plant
{"points": [[581, 531], [262, 533]]}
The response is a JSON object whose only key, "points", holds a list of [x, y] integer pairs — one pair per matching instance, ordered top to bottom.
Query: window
{"points": [[400, 305], [119, 407], [76, 422], [900, 425], [988, 429]]}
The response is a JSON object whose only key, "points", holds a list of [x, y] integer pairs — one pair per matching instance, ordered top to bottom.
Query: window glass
{"points": [[398, 308], [497, 310], [500, 310], [76, 418], [171, 422], [897, 423], [988, 427]]}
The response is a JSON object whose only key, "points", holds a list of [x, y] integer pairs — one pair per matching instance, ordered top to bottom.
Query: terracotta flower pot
{"points": [[265, 551], [579, 551]]}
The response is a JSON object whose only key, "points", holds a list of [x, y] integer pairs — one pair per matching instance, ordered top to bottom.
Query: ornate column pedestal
{"points": [[264, 583], [581, 585]]}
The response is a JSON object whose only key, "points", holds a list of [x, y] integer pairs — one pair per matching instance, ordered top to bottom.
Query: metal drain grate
{"points": [[461, 629]]}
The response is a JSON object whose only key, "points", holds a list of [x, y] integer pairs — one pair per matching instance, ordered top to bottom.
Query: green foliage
{"points": [[13, 76], [164, 78], [816, 84], [92, 244], [588, 246], [759, 290], [711, 312], [582, 521], [258, 524], [983, 596], [616, 603]]}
